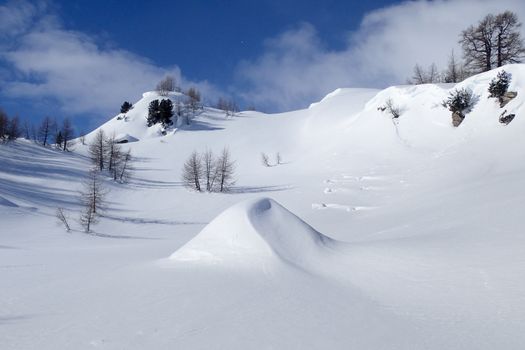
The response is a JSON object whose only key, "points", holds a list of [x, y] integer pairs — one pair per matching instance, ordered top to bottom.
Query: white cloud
{"points": [[70, 67], [296, 69]]}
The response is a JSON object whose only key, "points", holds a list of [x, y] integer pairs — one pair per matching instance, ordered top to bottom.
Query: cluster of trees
{"points": [[493, 42], [167, 85], [186, 106], [228, 106], [160, 112], [9, 127], [47, 133], [106, 154], [265, 160], [205, 172]]}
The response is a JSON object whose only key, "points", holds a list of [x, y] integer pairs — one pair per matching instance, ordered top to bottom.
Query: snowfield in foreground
{"points": [[373, 233]]}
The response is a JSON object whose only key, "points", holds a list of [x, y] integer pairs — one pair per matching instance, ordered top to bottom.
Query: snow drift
{"points": [[257, 230]]}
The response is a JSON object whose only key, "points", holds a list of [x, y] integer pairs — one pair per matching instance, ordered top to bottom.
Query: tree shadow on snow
{"points": [[258, 189], [152, 221]]}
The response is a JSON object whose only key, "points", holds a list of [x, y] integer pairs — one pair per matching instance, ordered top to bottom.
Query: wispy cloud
{"points": [[48, 61], [296, 69]]}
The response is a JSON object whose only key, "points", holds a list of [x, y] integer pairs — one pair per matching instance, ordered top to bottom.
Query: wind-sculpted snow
{"points": [[257, 230]]}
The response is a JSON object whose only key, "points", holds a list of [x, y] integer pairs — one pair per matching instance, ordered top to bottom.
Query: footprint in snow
{"points": [[348, 208]]}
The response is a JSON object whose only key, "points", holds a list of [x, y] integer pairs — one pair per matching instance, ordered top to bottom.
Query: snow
{"points": [[253, 231], [372, 234]]}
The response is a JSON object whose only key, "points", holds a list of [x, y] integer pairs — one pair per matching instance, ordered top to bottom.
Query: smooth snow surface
{"points": [[379, 234]]}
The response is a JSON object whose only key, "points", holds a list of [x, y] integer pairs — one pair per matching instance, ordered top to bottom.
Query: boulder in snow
{"points": [[507, 97]]}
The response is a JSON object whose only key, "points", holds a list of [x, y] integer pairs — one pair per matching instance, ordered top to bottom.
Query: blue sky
{"points": [[83, 58]]}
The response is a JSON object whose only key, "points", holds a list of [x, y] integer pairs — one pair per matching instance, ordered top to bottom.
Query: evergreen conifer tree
{"points": [[153, 112]]}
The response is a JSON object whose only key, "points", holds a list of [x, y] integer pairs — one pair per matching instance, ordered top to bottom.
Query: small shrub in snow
{"points": [[500, 85], [460, 100], [391, 108], [265, 159], [61, 216]]}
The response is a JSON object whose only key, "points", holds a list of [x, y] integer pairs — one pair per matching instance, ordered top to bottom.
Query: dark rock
{"points": [[507, 97], [505, 118]]}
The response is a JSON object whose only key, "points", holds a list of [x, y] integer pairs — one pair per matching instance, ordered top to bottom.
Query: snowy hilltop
{"points": [[373, 219]]}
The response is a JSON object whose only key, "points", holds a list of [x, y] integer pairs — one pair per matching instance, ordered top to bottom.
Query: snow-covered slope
{"points": [[418, 238]]}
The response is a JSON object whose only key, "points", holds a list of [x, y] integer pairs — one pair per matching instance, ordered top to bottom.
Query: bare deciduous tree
{"points": [[495, 41], [509, 45], [433, 74], [452, 74], [419, 76], [422, 76], [166, 85], [194, 99], [228, 106], [391, 108], [4, 124], [13, 129], [27, 129], [45, 130], [67, 134], [97, 150], [113, 153], [265, 159], [124, 167], [210, 169], [193, 171], [225, 171], [92, 199], [62, 217]]}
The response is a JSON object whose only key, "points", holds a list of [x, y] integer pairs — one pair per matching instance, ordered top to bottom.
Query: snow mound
{"points": [[125, 138], [253, 231]]}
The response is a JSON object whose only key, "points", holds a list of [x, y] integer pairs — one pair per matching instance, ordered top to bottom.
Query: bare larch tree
{"points": [[494, 42], [166, 85], [97, 150], [193, 171], [225, 171], [92, 199]]}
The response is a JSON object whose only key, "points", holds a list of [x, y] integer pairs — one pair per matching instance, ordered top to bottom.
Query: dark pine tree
{"points": [[499, 85], [126, 106], [153, 112], [166, 112], [59, 139]]}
